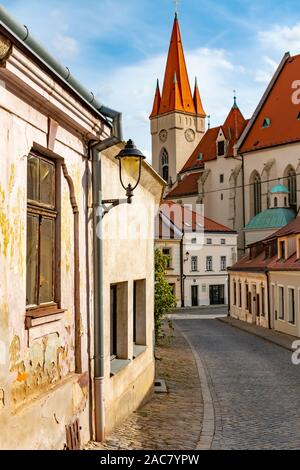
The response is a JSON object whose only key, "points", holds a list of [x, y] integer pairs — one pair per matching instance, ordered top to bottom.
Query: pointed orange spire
{"points": [[176, 65], [175, 98], [197, 101], [156, 103]]}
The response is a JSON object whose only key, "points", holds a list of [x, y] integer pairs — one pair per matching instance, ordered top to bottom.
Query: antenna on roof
{"points": [[208, 121]]}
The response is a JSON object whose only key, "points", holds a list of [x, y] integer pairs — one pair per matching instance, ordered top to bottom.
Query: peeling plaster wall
{"points": [[39, 392]]}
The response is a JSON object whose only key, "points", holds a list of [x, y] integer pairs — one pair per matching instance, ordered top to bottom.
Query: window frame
{"points": [[42, 211], [194, 263], [209, 263], [223, 266]]}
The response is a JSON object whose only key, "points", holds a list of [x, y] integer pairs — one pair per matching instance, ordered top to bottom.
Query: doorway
{"points": [[216, 295], [194, 296]]}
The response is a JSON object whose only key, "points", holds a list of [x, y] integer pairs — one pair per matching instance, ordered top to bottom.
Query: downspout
{"points": [[96, 147], [181, 272], [228, 293], [269, 300]]}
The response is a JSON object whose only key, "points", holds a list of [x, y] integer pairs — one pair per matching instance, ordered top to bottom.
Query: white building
{"points": [[197, 264], [76, 310]]}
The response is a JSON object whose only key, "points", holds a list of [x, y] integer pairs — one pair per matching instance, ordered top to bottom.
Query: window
{"points": [[298, 116], [266, 122], [221, 148], [165, 165], [221, 178], [292, 186], [257, 195], [222, 197], [285, 201], [275, 202], [41, 225], [194, 240], [209, 241], [223, 241], [282, 250], [167, 257], [194, 263], [209, 263], [223, 266], [234, 292], [240, 294], [247, 296], [291, 299], [281, 303], [139, 312], [263, 312], [113, 321], [119, 345]]}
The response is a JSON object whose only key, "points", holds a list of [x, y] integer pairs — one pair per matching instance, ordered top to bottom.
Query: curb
{"points": [[254, 333], [208, 424]]}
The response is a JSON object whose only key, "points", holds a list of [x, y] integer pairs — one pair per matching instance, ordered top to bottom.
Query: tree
{"points": [[164, 299]]}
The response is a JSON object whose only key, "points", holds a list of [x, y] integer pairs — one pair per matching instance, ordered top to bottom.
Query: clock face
{"points": [[163, 135], [190, 135]]}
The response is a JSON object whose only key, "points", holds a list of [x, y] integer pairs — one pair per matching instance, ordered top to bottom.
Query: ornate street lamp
{"points": [[130, 167]]}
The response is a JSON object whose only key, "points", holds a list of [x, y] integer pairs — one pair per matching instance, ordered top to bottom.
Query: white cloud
{"points": [[282, 38], [66, 46], [265, 74], [131, 89]]}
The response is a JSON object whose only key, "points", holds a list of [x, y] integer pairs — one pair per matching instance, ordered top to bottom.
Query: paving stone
{"points": [[169, 421]]}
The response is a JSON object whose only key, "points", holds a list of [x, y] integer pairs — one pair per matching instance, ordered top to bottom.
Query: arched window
{"points": [[165, 165], [292, 185], [255, 188], [285, 201], [275, 202]]}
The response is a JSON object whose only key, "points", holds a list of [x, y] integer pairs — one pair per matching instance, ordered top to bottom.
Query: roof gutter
{"points": [[21, 34]]}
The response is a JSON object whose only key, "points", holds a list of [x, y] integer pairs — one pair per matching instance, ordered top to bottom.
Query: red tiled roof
{"points": [[277, 105], [232, 128], [187, 187], [170, 209], [260, 262]]}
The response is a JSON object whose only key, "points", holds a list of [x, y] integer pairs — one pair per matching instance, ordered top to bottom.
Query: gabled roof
{"points": [[176, 93], [276, 110], [232, 128], [186, 187], [194, 220], [260, 262]]}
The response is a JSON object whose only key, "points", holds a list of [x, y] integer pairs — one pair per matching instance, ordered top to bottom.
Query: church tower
{"points": [[178, 117]]}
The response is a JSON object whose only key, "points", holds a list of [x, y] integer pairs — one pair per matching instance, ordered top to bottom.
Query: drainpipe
{"points": [[96, 148], [181, 272], [228, 293], [269, 300]]}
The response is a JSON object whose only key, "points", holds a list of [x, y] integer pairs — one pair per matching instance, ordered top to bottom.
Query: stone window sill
{"points": [[138, 349], [116, 365]]}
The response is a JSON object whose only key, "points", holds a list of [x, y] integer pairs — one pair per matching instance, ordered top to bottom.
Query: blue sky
{"points": [[117, 48]]}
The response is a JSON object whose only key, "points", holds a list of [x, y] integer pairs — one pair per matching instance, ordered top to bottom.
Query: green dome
{"points": [[279, 188], [276, 217]]}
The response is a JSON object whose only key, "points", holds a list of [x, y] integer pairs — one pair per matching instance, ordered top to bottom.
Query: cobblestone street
{"points": [[254, 386], [169, 420]]}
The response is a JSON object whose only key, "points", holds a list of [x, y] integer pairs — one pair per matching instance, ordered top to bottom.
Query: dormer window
{"points": [[298, 117], [266, 123], [221, 148], [200, 157], [281, 254]]}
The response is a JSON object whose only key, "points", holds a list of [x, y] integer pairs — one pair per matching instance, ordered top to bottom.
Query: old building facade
{"points": [[198, 251], [264, 284], [57, 370]]}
